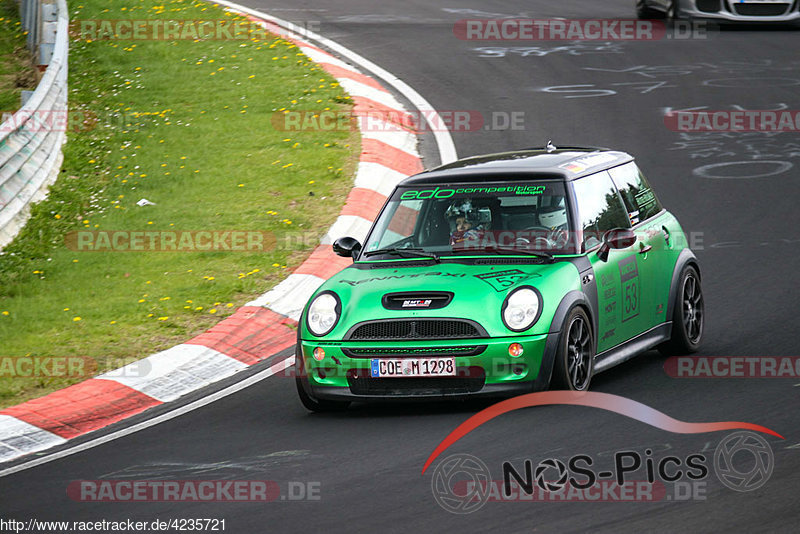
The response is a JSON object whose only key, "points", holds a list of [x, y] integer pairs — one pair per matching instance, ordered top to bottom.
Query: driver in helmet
{"points": [[554, 219], [467, 222]]}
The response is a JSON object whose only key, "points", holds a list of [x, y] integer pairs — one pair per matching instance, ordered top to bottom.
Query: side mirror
{"points": [[617, 238], [347, 247]]}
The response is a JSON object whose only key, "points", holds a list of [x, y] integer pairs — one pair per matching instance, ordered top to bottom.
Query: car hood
{"points": [[478, 290]]}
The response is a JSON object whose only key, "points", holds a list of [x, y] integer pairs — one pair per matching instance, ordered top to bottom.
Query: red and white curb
{"points": [[256, 331]]}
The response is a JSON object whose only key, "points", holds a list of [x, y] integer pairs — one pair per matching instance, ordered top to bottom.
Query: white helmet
{"points": [[554, 217]]}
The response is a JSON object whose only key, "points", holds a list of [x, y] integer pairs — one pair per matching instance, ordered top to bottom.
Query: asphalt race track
{"points": [[365, 464]]}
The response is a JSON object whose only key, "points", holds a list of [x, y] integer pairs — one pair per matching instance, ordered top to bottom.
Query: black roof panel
{"points": [[561, 164]]}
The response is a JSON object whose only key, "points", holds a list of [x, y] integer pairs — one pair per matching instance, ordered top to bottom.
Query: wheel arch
{"points": [[686, 257], [573, 299]]}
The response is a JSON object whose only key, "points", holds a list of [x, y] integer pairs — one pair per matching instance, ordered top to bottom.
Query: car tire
{"points": [[643, 11], [688, 316], [574, 364], [318, 405]]}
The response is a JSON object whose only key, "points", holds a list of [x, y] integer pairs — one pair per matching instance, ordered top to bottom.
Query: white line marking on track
{"points": [[199, 403]]}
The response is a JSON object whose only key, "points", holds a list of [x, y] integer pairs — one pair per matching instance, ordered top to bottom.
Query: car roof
{"points": [[565, 163]]}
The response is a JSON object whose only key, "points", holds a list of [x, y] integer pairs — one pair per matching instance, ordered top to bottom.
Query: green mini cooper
{"points": [[499, 275]]}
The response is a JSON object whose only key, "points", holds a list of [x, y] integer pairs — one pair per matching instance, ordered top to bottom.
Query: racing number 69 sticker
{"points": [[629, 278]]}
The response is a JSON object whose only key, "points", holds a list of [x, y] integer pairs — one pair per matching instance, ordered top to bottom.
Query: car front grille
{"points": [[709, 6], [760, 10], [404, 329], [390, 352], [470, 380]]}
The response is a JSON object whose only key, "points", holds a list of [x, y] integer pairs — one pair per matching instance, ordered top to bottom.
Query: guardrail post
{"points": [[29, 15], [47, 35]]}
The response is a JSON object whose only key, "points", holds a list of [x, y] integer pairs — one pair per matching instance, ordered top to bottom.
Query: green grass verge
{"points": [[16, 69], [187, 125]]}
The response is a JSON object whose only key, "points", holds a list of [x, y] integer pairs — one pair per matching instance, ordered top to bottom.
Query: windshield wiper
{"points": [[509, 250], [404, 253]]}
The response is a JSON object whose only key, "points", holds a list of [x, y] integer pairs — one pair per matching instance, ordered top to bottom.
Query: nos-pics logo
{"points": [[462, 483]]}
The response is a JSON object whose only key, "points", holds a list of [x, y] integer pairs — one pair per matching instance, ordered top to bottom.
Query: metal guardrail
{"points": [[31, 138]]}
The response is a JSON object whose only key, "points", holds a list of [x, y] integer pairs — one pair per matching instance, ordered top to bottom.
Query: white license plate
{"points": [[412, 367]]}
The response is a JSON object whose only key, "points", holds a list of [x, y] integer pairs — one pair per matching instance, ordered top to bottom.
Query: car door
{"points": [[600, 209], [655, 256]]}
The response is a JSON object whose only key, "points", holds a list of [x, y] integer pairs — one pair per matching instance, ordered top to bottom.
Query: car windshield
{"points": [[487, 218]]}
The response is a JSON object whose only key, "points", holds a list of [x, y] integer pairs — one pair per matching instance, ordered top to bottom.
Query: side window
{"points": [[640, 201], [599, 207]]}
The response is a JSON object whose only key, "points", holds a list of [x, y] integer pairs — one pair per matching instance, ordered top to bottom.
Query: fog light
{"points": [[515, 350], [319, 354]]}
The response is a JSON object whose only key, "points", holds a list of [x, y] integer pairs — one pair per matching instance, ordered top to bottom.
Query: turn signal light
{"points": [[515, 350]]}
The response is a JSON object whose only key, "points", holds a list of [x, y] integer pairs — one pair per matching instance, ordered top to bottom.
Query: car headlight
{"points": [[521, 309], [323, 313]]}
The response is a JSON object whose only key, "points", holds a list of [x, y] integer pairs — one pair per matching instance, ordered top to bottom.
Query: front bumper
{"points": [[734, 11], [483, 368]]}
